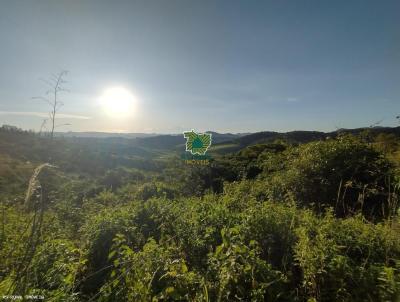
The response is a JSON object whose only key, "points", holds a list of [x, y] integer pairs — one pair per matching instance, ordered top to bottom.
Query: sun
{"points": [[117, 102]]}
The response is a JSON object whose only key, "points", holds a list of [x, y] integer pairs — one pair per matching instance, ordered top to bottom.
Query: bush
{"points": [[345, 174], [99, 233], [347, 260], [236, 272], [156, 273]]}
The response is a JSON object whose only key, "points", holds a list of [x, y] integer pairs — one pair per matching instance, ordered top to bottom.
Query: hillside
{"points": [[295, 137], [288, 217]]}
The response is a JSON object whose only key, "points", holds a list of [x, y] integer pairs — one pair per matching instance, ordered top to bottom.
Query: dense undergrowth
{"points": [[273, 222]]}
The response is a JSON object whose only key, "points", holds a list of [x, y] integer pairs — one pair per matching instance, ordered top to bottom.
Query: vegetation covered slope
{"points": [[275, 221]]}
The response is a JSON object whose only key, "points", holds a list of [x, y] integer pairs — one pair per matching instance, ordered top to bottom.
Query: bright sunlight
{"points": [[117, 102]]}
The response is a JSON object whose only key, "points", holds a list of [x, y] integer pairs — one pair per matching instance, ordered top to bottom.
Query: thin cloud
{"points": [[292, 100], [45, 114]]}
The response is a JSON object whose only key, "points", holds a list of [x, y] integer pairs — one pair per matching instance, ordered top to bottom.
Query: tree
{"points": [[55, 83]]}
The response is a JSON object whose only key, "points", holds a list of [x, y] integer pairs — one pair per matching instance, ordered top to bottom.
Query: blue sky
{"points": [[228, 66]]}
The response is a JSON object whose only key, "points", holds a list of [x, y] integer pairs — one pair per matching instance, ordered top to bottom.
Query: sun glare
{"points": [[117, 102]]}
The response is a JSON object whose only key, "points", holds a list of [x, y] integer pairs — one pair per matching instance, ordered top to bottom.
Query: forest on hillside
{"points": [[273, 217]]}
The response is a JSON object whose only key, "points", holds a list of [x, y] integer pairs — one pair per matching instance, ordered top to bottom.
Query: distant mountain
{"points": [[373, 130], [102, 134], [223, 137], [293, 137], [169, 139], [174, 141], [162, 142], [221, 142], [129, 147]]}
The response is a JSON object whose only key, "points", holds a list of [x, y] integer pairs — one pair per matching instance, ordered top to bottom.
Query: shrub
{"points": [[345, 174], [99, 233], [347, 260], [237, 272], [156, 273]]}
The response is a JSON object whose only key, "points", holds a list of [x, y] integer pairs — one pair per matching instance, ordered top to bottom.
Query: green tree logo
{"points": [[197, 143]]}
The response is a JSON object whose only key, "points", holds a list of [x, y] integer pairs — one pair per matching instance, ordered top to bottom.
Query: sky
{"points": [[227, 66]]}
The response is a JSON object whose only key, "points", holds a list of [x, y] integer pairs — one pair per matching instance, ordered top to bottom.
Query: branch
{"points": [[48, 82], [55, 82], [41, 98]]}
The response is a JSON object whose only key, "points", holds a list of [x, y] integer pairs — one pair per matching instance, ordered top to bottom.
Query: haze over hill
{"points": [[155, 145]]}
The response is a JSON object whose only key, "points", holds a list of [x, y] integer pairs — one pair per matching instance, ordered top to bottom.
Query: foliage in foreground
{"points": [[261, 225], [209, 250]]}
